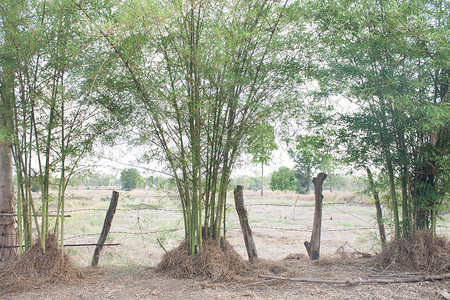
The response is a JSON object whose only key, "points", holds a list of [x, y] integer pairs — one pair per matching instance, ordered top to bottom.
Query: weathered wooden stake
{"points": [[106, 227], [246, 231], [8, 234], [313, 247]]}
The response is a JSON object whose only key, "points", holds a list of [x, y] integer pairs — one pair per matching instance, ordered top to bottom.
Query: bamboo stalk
{"points": [[19, 219]]}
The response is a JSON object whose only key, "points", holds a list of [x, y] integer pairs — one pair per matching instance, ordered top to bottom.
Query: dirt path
{"points": [[144, 283]]}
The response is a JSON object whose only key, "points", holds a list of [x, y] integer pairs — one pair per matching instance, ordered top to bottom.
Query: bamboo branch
{"points": [[363, 281]]}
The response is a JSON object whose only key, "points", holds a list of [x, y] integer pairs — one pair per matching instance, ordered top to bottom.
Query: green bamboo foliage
{"points": [[194, 78], [52, 124]]}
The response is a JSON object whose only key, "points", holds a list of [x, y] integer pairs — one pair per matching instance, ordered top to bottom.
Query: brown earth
{"points": [[145, 283]]}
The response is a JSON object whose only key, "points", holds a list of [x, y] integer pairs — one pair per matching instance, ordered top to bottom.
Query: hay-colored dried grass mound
{"points": [[424, 253], [212, 263], [267, 267], [35, 269]]}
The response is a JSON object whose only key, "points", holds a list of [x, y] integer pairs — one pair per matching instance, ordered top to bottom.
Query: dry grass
{"points": [[424, 253], [212, 263], [34, 269], [145, 283]]}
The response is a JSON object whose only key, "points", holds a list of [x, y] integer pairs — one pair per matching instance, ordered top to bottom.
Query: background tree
{"points": [[261, 144], [310, 154], [129, 179], [283, 180]]}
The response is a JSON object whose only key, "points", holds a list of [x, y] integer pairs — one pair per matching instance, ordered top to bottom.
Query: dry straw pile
{"points": [[424, 253], [212, 263], [35, 269]]}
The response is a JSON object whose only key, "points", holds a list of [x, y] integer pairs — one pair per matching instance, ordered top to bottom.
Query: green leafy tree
{"points": [[388, 59], [261, 144], [310, 154], [129, 179], [283, 180]]}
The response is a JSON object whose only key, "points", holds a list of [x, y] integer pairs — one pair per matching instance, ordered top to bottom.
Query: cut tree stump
{"points": [[106, 226], [246, 230], [313, 247]]}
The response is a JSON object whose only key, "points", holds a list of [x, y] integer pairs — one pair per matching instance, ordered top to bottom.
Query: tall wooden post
{"points": [[10, 32], [106, 227], [246, 231], [8, 235], [313, 247]]}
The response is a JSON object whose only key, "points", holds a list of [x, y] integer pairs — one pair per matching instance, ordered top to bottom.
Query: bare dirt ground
{"points": [[281, 222], [141, 283]]}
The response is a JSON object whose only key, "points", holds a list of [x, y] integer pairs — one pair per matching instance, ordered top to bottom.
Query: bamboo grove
{"points": [[200, 76], [196, 83], [46, 120]]}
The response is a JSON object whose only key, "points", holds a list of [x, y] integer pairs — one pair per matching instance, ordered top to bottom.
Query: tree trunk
{"points": [[402, 152], [262, 179], [393, 198], [377, 205], [243, 219], [8, 235], [313, 247]]}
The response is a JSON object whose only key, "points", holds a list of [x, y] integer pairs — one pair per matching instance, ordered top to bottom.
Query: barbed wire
{"points": [[247, 205], [308, 205], [145, 207], [123, 209], [228, 228], [232, 228], [306, 229], [125, 232], [147, 232], [67, 245]]}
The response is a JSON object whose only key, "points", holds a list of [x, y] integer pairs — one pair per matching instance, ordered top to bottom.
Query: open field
{"points": [[281, 222]]}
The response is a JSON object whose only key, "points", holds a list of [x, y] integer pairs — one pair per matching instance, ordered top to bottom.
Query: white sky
{"points": [[114, 159]]}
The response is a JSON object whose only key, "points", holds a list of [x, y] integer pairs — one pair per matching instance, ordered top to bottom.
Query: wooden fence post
{"points": [[106, 227], [246, 231], [313, 247]]}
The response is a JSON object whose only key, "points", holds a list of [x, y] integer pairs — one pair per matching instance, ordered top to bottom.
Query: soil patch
{"points": [[144, 283]]}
